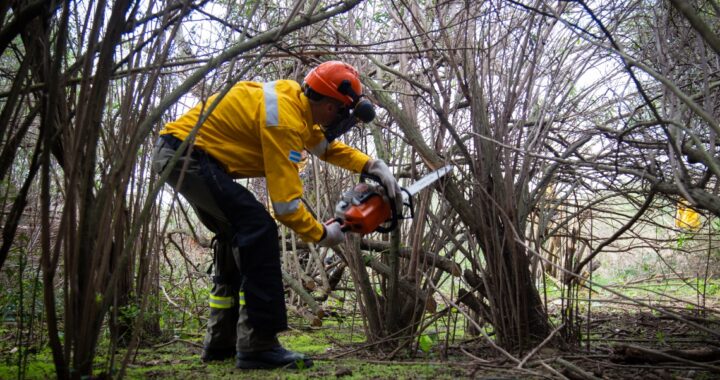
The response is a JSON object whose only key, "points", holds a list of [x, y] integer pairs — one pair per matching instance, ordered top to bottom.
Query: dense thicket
{"points": [[574, 129]]}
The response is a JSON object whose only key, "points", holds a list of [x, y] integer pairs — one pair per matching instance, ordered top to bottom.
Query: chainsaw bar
{"points": [[425, 181]]}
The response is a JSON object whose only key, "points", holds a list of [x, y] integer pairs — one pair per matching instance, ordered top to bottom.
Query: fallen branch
{"points": [[304, 295], [312, 318], [175, 340], [539, 346], [637, 354], [552, 370], [575, 370]]}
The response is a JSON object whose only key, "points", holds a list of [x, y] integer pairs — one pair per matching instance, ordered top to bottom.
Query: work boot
{"points": [[214, 354], [276, 357]]}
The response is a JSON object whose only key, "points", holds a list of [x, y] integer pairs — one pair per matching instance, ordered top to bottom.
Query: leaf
{"points": [[660, 337], [426, 343]]}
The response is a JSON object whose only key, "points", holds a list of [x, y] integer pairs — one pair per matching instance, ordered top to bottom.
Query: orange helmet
{"points": [[337, 80]]}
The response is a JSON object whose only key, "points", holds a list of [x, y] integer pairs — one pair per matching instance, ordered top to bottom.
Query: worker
{"points": [[261, 130]]}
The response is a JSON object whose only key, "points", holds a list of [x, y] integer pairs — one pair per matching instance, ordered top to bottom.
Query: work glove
{"points": [[380, 170], [332, 236]]}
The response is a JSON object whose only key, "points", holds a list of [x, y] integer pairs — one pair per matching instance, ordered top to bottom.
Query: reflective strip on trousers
{"points": [[242, 298], [217, 302]]}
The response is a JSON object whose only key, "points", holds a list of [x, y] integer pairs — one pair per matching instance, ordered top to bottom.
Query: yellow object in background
{"points": [[686, 217]]}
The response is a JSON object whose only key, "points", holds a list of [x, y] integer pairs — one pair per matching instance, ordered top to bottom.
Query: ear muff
{"points": [[364, 110]]}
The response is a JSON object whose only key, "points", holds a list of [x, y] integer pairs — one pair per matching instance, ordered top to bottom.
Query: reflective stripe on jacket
{"points": [[261, 129]]}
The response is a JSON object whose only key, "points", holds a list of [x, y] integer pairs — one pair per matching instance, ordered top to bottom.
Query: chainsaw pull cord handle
{"points": [[393, 210]]}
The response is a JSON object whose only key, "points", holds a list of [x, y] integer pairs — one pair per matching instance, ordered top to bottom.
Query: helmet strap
{"points": [[312, 94]]}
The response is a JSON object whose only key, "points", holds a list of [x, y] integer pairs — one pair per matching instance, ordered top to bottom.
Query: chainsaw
{"points": [[366, 208]]}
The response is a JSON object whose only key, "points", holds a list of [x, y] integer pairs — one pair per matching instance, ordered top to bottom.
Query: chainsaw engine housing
{"points": [[364, 209]]}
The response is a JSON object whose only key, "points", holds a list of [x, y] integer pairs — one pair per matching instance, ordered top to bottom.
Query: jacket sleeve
{"points": [[280, 151], [337, 153]]}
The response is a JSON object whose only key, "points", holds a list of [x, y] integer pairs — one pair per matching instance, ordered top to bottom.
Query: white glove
{"points": [[380, 170], [333, 235]]}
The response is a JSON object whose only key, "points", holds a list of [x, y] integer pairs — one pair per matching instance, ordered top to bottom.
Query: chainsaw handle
{"points": [[373, 177], [343, 227]]}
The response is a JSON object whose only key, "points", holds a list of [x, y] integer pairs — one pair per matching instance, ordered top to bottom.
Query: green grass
{"points": [[675, 288], [181, 360], [40, 366], [333, 369]]}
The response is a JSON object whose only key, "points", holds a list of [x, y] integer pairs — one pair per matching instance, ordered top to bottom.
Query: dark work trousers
{"points": [[246, 251]]}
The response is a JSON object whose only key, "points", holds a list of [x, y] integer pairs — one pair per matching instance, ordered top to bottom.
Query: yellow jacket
{"points": [[261, 129]]}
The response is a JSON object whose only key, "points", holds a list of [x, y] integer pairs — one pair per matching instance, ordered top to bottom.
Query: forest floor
{"points": [[622, 341], [624, 346]]}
